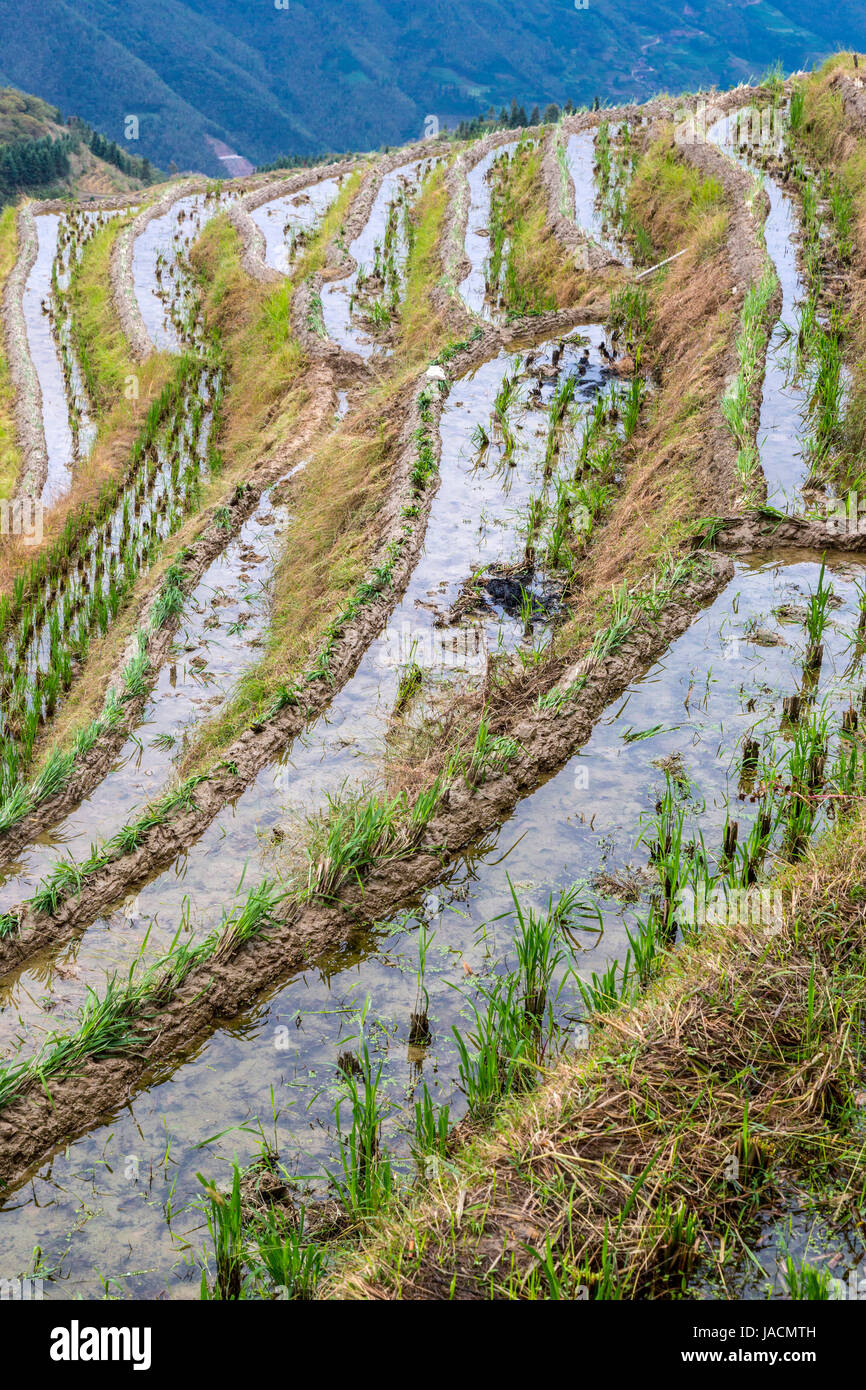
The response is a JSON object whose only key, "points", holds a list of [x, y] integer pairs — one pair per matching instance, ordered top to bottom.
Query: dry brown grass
{"points": [[265, 390], [670, 479]]}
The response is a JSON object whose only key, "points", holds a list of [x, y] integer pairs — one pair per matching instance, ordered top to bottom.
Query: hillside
{"points": [[308, 78], [25, 117], [43, 155], [433, 719]]}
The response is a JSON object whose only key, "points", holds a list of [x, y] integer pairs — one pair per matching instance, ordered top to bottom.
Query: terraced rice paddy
{"points": [[67, 427], [507, 786]]}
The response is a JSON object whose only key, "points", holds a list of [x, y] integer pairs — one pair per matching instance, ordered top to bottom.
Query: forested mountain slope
{"points": [[308, 78]]}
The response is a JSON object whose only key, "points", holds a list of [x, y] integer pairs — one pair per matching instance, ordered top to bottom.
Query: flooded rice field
{"points": [[582, 167], [287, 223], [162, 285], [473, 288], [361, 305], [66, 417], [782, 432], [482, 498], [220, 632], [40, 642], [734, 749], [274, 1071]]}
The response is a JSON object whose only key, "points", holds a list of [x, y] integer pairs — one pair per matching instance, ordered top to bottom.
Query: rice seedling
{"points": [[603, 154], [644, 251], [629, 313], [315, 316], [453, 349], [827, 393], [507, 396], [633, 402], [738, 402], [480, 438], [425, 460], [534, 519], [100, 537], [559, 554], [623, 613], [817, 617], [135, 676], [409, 681], [490, 752], [52, 778], [15, 806], [421, 812], [354, 832], [681, 865], [250, 919], [10, 924], [542, 942], [645, 949], [605, 992], [419, 1024], [498, 1055], [430, 1134], [367, 1174], [225, 1226], [292, 1265], [805, 1283]]}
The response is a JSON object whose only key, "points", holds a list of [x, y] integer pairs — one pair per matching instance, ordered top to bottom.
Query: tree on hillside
{"points": [[33, 164]]}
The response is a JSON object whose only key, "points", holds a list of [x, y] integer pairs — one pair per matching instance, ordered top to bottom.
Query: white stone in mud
{"points": [[436, 374]]}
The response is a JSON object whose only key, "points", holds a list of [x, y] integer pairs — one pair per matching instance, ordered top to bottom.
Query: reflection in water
{"points": [[339, 312], [69, 431], [475, 520]]}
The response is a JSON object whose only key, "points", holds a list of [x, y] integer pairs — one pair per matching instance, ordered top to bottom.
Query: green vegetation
{"points": [[37, 149], [34, 164], [681, 207], [100, 346], [72, 592], [118, 1020], [693, 1105], [573, 1121]]}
